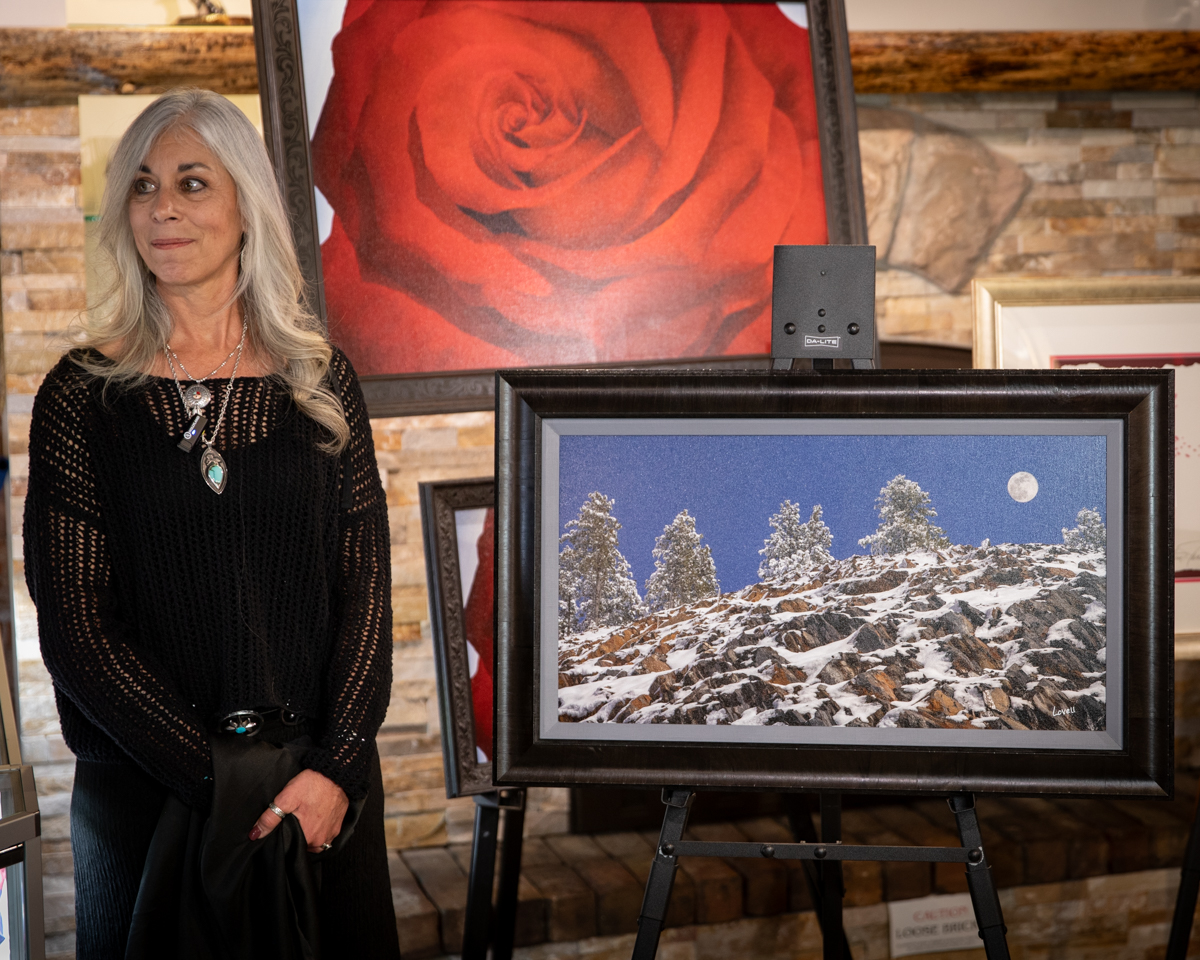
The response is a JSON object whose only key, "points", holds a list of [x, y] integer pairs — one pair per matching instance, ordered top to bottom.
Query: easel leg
{"points": [[804, 832], [662, 873], [510, 874], [979, 879], [832, 888], [1185, 900], [477, 921]]}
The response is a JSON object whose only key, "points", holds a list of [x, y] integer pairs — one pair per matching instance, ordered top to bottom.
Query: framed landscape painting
{"points": [[479, 184], [1113, 322], [458, 519], [887, 581]]}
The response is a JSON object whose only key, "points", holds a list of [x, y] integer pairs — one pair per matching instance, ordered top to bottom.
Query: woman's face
{"points": [[184, 213]]}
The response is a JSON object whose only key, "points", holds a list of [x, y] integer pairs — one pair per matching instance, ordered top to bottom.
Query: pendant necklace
{"points": [[195, 398]]}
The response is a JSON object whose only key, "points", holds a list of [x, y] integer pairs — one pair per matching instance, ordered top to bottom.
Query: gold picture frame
{"points": [[1006, 336]]}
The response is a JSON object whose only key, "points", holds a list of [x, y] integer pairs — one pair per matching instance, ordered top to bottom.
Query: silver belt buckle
{"points": [[245, 723]]}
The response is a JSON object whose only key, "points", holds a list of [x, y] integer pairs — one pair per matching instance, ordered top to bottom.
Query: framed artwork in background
{"points": [[479, 185], [1113, 322], [457, 521], [886, 581]]}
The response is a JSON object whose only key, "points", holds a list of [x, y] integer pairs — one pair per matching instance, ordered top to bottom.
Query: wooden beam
{"points": [[966, 62], [55, 65]]}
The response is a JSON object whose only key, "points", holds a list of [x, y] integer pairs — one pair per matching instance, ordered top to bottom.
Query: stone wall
{"points": [[1068, 185], [1092, 185]]}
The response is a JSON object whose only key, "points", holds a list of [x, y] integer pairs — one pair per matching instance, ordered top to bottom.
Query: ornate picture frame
{"points": [[286, 123], [1133, 321], [448, 508], [637, 742]]}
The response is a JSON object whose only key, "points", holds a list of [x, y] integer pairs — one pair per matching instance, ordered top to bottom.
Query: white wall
{"points": [[139, 11], [33, 13], [60, 13], [862, 14], [1023, 14]]}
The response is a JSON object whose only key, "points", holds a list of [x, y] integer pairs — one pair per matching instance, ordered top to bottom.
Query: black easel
{"points": [[823, 309], [828, 855], [1185, 900], [480, 928]]}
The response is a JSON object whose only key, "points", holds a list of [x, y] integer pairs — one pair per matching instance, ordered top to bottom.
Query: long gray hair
{"points": [[131, 316]]}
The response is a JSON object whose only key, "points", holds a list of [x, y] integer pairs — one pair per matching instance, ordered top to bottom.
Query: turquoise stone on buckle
{"points": [[244, 722]]}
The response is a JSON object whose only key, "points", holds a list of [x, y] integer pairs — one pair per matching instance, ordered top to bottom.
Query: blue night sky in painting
{"points": [[733, 484]]}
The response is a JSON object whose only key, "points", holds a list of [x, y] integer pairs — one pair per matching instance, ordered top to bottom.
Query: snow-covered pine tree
{"points": [[904, 514], [1089, 533], [794, 549], [683, 568], [595, 585]]}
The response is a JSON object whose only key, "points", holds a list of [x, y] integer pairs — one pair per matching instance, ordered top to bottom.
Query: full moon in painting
{"points": [[1022, 487]]}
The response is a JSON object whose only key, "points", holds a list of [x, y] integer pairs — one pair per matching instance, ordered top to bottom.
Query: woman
{"points": [[210, 557]]}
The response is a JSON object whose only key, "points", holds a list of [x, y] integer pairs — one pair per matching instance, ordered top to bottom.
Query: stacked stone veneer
{"points": [[1097, 184], [1113, 187]]}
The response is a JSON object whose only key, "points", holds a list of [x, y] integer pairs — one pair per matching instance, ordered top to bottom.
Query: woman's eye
{"points": [[191, 184], [142, 187]]}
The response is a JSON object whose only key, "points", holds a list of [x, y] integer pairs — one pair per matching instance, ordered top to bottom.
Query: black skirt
{"points": [[114, 811]]}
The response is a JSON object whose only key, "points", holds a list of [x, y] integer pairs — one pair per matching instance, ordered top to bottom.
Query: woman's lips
{"points": [[170, 244]]}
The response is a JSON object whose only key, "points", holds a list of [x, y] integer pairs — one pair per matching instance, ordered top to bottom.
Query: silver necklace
{"points": [[212, 373], [195, 398]]}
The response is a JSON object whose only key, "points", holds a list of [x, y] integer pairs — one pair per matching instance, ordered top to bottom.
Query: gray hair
{"points": [[131, 316]]}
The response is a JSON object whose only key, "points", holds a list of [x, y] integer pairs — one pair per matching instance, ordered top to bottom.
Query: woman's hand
{"points": [[313, 799]]}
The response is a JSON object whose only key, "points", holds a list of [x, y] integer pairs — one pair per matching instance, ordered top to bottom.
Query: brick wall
{"points": [[1115, 188]]}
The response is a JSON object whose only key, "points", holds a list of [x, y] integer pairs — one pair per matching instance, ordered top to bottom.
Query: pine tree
{"points": [[904, 514], [1089, 533], [795, 549], [683, 569], [595, 585]]}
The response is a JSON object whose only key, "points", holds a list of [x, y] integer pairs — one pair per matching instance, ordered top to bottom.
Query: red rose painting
{"points": [[555, 182]]}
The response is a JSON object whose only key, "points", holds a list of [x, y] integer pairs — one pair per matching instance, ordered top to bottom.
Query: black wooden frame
{"points": [[285, 126], [1142, 400], [465, 775]]}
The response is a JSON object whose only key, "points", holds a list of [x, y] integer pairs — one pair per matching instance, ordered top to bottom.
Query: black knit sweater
{"points": [[163, 607]]}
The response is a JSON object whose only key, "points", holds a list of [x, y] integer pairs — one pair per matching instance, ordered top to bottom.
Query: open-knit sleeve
{"points": [[85, 642], [358, 677]]}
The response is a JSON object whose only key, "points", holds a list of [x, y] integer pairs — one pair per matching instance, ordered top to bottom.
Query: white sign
{"points": [[932, 925]]}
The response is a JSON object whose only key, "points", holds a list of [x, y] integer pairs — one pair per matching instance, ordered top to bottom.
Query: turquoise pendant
{"points": [[213, 469]]}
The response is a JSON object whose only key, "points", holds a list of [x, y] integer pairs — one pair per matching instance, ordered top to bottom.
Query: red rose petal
{"points": [[624, 34], [357, 51], [387, 331]]}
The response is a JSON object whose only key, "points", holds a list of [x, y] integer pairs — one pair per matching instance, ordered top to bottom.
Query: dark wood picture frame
{"points": [[286, 124], [1142, 401], [465, 774]]}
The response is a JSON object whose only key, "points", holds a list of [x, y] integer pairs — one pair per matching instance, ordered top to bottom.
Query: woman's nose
{"points": [[164, 208]]}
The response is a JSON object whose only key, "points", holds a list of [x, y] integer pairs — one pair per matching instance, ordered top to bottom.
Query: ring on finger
{"points": [[275, 810], [325, 846]]}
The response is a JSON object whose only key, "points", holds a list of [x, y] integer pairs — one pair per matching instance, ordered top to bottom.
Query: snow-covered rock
{"points": [[1004, 636]]}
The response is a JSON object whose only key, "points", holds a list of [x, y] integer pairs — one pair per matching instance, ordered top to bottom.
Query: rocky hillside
{"points": [[1008, 636]]}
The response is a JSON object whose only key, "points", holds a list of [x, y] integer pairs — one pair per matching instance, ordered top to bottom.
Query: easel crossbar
{"points": [[822, 851]]}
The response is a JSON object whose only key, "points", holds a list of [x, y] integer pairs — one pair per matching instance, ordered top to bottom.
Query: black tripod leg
{"points": [[804, 832], [662, 873], [510, 876], [979, 879], [832, 889], [1185, 900], [477, 920]]}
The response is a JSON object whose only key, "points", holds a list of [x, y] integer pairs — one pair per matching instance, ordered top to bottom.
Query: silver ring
{"points": [[275, 810], [325, 846]]}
